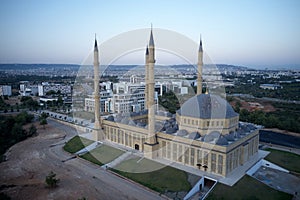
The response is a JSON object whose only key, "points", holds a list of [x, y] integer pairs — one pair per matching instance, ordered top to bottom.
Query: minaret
{"points": [[200, 66], [146, 77], [96, 86], [151, 106]]}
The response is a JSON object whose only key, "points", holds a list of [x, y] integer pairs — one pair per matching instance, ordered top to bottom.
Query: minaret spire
{"points": [[151, 41], [96, 45], [200, 46], [200, 66], [146, 78], [96, 89], [151, 141]]}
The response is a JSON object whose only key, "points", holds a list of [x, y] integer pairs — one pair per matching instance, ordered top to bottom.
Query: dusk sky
{"points": [[250, 33]]}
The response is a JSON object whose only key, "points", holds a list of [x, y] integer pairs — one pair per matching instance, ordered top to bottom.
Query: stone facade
{"points": [[205, 133]]}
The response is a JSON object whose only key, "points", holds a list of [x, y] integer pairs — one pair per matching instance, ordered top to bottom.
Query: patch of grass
{"points": [[76, 143], [102, 155], [88, 156], [284, 159], [161, 179], [247, 188]]}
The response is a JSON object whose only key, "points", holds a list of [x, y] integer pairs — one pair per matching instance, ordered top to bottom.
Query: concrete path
{"points": [[88, 148], [282, 148], [117, 161], [278, 180]]}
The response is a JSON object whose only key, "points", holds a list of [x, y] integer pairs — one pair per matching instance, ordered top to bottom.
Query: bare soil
{"points": [[22, 176]]}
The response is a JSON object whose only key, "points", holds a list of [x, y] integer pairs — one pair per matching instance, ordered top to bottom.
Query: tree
{"points": [[43, 122], [32, 130], [51, 180]]}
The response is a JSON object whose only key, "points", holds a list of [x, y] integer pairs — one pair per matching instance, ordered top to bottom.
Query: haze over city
{"points": [[256, 34]]}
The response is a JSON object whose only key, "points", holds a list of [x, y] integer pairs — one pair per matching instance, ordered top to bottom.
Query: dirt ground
{"points": [[261, 105], [22, 176]]}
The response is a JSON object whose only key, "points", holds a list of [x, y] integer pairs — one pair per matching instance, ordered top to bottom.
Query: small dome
{"points": [[110, 118], [125, 120], [131, 123], [141, 124], [159, 126], [171, 130], [182, 132], [194, 135], [236, 135], [212, 136], [229, 137], [222, 141]]}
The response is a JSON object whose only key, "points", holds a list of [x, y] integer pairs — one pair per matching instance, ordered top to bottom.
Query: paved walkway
{"points": [[88, 148], [282, 148], [117, 161], [278, 180]]}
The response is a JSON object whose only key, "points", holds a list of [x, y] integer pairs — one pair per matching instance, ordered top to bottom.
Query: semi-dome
{"points": [[207, 106], [110, 118], [171, 130], [182, 132], [194, 135], [212, 136], [222, 141]]}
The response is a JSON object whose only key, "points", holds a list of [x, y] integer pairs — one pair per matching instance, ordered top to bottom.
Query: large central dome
{"points": [[207, 106]]}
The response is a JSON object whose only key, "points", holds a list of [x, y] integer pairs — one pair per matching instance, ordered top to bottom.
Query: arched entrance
{"points": [[137, 147]]}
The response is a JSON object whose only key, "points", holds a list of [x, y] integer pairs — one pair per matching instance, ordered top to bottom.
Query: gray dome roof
{"points": [[207, 106], [110, 118], [125, 120], [131, 123], [141, 124], [159, 126], [171, 130], [182, 132], [194, 135], [211, 136], [230, 137], [222, 141]]}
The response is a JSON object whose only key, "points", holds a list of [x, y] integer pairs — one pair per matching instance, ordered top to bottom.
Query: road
{"points": [[29, 162]]}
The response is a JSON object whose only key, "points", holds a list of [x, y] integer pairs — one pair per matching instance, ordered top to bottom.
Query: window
{"points": [[163, 149], [168, 150], [174, 151], [179, 153], [186, 155], [192, 156], [199, 156], [205, 158], [220, 164]]}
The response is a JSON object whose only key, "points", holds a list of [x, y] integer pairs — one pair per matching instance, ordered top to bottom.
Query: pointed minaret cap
{"points": [[151, 41], [96, 45], [200, 46], [147, 50]]}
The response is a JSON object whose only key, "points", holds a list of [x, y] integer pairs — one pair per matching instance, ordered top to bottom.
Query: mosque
{"points": [[205, 133]]}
